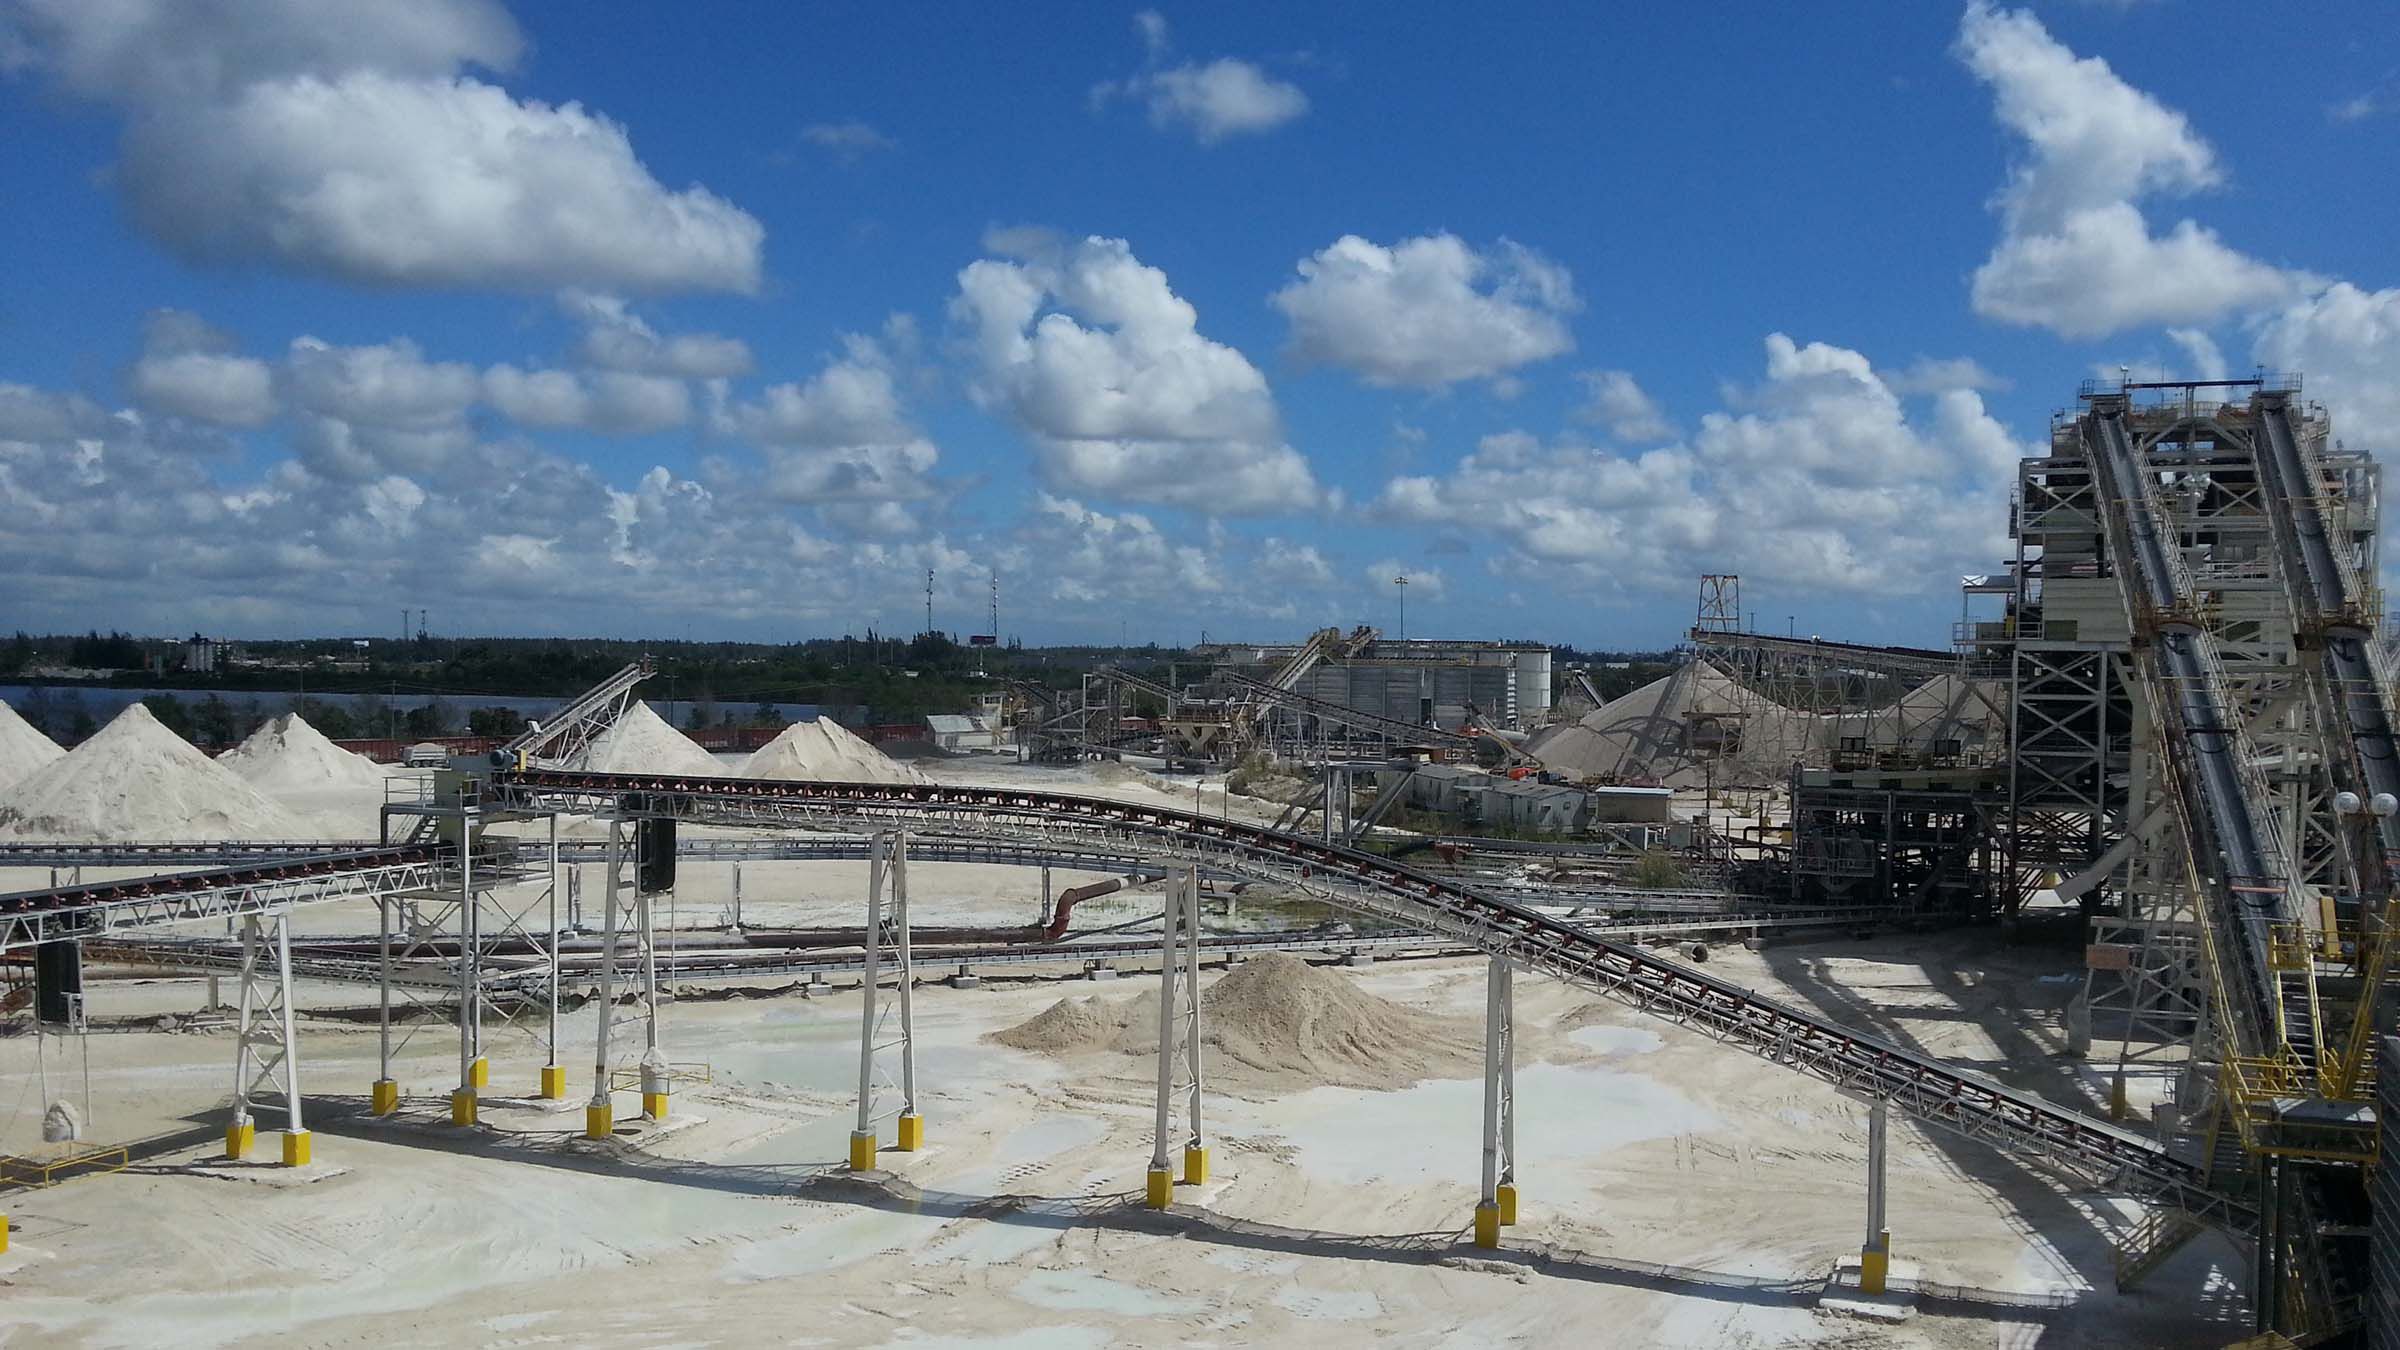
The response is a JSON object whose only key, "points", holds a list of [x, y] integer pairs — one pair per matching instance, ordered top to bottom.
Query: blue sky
{"points": [[559, 319]]}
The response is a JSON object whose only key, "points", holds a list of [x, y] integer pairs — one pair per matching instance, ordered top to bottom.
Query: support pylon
{"points": [[887, 941], [1178, 1042], [266, 1055], [471, 1066], [384, 1095], [600, 1115], [1496, 1206], [1875, 1257]]}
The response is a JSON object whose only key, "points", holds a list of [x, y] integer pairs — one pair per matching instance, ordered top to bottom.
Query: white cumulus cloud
{"points": [[1213, 100], [358, 149], [2075, 253], [1428, 311], [1104, 368], [188, 369], [1615, 400], [1816, 475]]}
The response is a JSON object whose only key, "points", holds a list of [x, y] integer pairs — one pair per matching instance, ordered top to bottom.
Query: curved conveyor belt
{"points": [[2022, 1124]]}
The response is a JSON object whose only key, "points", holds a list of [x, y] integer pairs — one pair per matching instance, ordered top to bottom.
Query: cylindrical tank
{"points": [[1533, 686]]}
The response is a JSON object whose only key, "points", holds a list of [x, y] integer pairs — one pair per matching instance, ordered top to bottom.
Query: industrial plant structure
{"points": [[2177, 722]]}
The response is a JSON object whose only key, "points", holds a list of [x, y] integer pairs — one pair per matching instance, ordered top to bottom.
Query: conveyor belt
{"points": [[1341, 714], [2225, 813], [2034, 1130]]}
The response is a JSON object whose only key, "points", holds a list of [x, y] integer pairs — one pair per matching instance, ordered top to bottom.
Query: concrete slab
{"points": [[265, 1173], [1898, 1302]]}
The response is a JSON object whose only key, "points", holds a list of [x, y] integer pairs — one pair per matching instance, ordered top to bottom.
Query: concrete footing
{"points": [[1358, 959], [1100, 973], [965, 979], [479, 1072], [554, 1082], [383, 1097], [654, 1105], [462, 1107], [599, 1120], [912, 1134], [238, 1139], [296, 1148], [862, 1150], [1195, 1166], [1158, 1190], [1504, 1198], [1487, 1227]]}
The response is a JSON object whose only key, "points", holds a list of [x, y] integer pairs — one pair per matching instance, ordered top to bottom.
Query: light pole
{"points": [[1401, 581]]}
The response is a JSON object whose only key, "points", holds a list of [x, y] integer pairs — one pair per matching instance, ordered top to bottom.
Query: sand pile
{"points": [[1693, 726], [641, 741], [23, 750], [825, 751], [287, 755], [138, 780], [1276, 1022]]}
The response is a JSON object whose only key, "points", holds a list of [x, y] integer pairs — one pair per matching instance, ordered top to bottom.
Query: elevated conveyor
{"points": [[2334, 612], [2224, 808], [2033, 1130]]}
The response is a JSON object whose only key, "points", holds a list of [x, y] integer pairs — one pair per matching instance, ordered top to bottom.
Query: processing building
{"points": [[1424, 682]]}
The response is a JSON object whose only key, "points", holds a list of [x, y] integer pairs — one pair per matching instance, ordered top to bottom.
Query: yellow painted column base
{"points": [[479, 1072], [554, 1082], [384, 1097], [654, 1105], [2117, 1105], [462, 1107], [599, 1120], [912, 1133], [238, 1139], [862, 1150], [296, 1151], [1195, 1165], [1160, 1191], [1504, 1197], [1487, 1227], [3, 1232], [1875, 1267]]}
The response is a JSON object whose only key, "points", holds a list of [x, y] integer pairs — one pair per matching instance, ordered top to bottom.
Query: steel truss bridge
{"points": [[2025, 1126], [2031, 1129]]}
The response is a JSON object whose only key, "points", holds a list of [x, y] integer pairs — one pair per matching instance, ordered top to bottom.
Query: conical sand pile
{"points": [[1693, 726], [640, 741], [23, 750], [824, 751], [287, 755], [138, 780], [1276, 1022]]}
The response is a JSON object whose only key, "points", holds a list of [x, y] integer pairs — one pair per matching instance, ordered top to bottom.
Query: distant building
{"points": [[203, 655], [1426, 683], [965, 733]]}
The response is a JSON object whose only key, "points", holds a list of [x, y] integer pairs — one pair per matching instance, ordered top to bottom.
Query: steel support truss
{"points": [[887, 1032], [1179, 1049], [266, 1055], [1496, 1203]]}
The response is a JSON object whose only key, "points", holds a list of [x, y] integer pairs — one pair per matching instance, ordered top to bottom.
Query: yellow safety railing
{"points": [[17, 1170]]}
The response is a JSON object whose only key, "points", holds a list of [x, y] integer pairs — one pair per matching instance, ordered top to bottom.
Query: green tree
{"points": [[171, 714], [500, 722], [213, 723]]}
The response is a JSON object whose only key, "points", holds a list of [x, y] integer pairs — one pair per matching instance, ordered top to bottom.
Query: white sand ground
{"points": [[1676, 1193]]}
